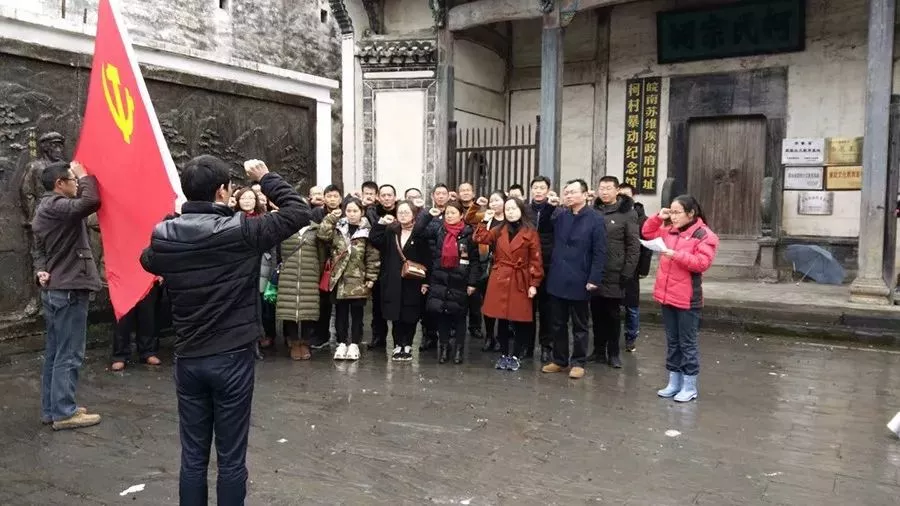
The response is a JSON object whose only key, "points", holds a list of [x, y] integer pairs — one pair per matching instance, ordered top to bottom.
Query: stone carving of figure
{"points": [[545, 6], [52, 149]]}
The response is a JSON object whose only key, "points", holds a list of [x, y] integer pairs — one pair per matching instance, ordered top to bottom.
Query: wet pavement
{"points": [[778, 421]]}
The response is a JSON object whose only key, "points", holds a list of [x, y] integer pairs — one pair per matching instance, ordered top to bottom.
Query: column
{"points": [[551, 97], [348, 107], [443, 113], [323, 143], [869, 286]]}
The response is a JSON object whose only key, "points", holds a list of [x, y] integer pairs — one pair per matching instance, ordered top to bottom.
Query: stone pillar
{"points": [[551, 97], [443, 113], [323, 143], [349, 178], [869, 286]]}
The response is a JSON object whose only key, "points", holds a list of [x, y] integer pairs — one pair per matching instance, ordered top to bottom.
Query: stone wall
{"points": [[288, 35]]}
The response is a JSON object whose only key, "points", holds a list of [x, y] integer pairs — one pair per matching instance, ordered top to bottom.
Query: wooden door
{"points": [[726, 166]]}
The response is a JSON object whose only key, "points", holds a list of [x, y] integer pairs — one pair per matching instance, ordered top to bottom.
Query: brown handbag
{"points": [[410, 269]]}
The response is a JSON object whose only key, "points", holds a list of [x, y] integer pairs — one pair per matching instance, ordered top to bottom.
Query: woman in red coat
{"points": [[516, 272]]}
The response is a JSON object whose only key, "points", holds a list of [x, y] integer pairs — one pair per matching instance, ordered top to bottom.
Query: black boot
{"points": [[377, 343], [428, 343], [458, 349], [443, 353]]}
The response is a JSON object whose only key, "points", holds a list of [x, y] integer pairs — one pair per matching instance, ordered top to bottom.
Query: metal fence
{"points": [[494, 158]]}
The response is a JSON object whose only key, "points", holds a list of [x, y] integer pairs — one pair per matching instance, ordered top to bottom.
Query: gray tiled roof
{"points": [[397, 52]]}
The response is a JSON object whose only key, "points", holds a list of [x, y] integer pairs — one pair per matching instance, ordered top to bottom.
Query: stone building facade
{"points": [[501, 64], [236, 78]]}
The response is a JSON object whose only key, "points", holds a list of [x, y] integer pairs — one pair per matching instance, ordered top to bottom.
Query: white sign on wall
{"points": [[803, 151], [803, 178], [815, 203]]}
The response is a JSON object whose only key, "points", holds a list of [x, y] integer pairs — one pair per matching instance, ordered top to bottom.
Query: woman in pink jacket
{"points": [[690, 249]]}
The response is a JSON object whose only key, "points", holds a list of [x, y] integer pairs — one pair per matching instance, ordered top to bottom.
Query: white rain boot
{"points": [[674, 386], [688, 389]]}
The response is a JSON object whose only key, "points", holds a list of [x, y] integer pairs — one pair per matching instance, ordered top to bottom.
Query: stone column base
{"points": [[768, 272], [870, 291]]}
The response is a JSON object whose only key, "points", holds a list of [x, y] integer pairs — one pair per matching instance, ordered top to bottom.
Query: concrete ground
{"points": [[778, 421]]}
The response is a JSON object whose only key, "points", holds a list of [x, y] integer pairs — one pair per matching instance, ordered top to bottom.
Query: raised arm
{"points": [[85, 204], [653, 228], [271, 229]]}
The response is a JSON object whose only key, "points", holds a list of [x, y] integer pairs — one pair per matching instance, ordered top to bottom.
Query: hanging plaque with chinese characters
{"points": [[737, 29], [634, 93], [642, 111], [650, 135]]}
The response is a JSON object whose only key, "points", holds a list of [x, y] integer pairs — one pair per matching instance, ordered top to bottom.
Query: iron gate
{"points": [[494, 158]]}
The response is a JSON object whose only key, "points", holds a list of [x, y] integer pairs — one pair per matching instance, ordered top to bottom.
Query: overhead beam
{"points": [[485, 12]]}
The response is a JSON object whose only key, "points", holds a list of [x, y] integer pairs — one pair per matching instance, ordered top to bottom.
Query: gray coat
{"points": [[623, 247]]}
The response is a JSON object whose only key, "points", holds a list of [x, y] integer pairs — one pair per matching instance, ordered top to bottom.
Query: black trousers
{"points": [[476, 300], [579, 312], [606, 314], [268, 318], [348, 320], [141, 321], [429, 323], [379, 324], [542, 325], [490, 326], [451, 327], [323, 328], [302, 331], [403, 333], [514, 337], [215, 394]]}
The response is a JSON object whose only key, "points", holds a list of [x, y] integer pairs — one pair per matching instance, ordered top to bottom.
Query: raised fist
{"points": [[78, 169], [255, 170], [454, 196], [368, 200], [553, 200], [481, 202], [420, 203], [434, 212], [336, 213], [489, 215], [387, 219]]}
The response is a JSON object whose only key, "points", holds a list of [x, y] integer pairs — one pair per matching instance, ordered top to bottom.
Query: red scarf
{"points": [[450, 250]]}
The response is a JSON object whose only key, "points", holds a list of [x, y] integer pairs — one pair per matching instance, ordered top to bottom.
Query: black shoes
{"points": [[458, 350], [443, 353], [615, 362]]}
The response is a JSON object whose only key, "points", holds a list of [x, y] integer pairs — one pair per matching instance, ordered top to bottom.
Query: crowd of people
{"points": [[234, 264]]}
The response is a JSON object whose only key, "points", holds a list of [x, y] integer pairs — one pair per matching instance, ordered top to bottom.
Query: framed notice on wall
{"points": [[642, 125], [803, 178], [843, 178], [815, 203]]}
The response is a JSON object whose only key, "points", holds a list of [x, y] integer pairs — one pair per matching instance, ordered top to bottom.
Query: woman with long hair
{"points": [[247, 202], [474, 217], [690, 250], [354, 267], [516, 273], [452, 277], [401, 297]]}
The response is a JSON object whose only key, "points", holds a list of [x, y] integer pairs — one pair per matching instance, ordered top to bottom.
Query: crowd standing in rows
{"points": [[235, 264]]}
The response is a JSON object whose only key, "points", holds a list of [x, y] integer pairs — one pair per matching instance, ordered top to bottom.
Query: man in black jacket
{"points": [[386, 206], [543, 210], [622, 252], [210, 260], [633, 289]]}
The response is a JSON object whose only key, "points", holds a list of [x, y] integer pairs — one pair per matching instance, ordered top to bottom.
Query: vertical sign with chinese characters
{"points": [[634, 92], [650, 135]]}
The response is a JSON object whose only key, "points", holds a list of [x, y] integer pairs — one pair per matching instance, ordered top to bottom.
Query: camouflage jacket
{"points": [[354, 260]]}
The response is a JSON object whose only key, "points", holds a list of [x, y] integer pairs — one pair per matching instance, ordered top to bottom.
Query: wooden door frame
{"points": [[733, 94]]}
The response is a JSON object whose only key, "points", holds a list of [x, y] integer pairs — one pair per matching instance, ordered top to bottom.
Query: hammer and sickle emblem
{"points": [[123, 118]]}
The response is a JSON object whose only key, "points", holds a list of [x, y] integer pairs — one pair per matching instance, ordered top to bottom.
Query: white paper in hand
{"points": [[656, 245]]}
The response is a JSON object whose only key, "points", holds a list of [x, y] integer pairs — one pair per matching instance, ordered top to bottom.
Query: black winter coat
{"points": [[543, 219], [623, 246], [210, 257], [447, 287], [633, 287], [401, 299]]}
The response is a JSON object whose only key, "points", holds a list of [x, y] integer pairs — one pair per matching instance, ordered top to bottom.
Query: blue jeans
{"points": [[65, 315], [632, 324], [682, 326], [215, 394]]}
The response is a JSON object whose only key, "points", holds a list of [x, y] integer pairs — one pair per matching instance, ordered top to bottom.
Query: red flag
{"points": [[122, 145]]}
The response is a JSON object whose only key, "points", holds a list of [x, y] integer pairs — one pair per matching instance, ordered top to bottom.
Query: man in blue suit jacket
{"points": [[576, 269]]}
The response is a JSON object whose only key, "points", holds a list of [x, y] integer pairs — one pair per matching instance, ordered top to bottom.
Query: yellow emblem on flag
{"points": [[123, 118]]}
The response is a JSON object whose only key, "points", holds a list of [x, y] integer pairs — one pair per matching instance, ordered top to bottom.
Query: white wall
{"points": [[405, 16], [826, 90], [479, 93], [400, 137]]}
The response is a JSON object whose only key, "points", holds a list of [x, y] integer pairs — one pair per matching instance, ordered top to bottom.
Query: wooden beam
{"points": [[484, 12], [486, 37]]}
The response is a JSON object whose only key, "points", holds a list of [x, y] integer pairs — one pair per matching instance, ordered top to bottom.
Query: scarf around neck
{"points": [[449, 250]]}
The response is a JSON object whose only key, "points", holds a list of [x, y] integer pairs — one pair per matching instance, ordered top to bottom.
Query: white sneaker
{"points": [[341, 352], [353, 352], [407, 353], [397, 354]]}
